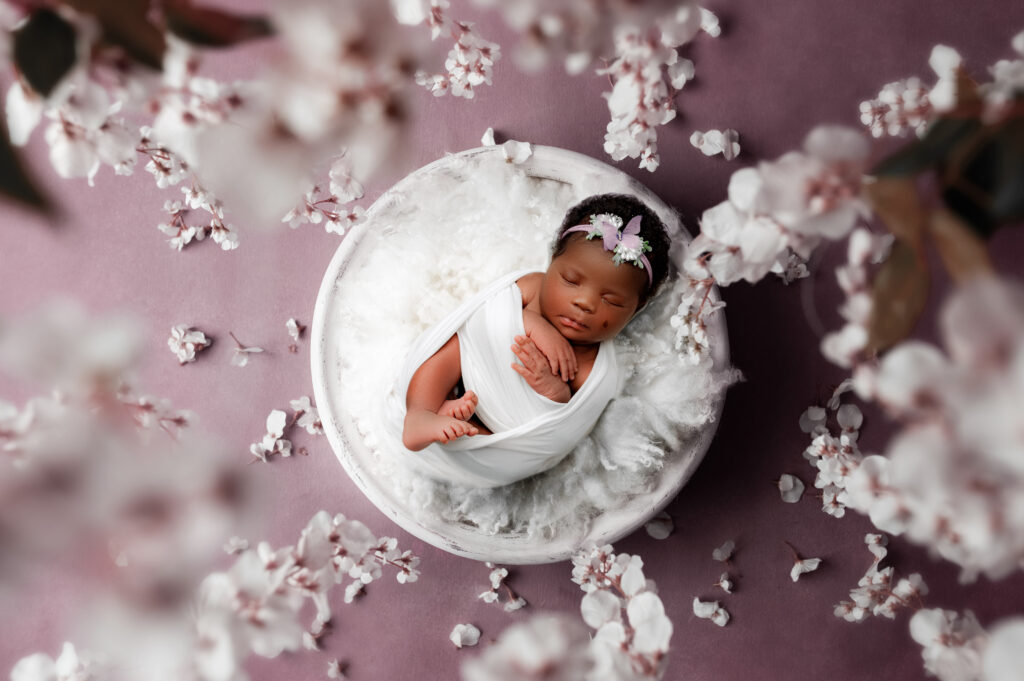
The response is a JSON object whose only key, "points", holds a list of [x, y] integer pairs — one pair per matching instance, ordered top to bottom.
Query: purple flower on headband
{"points": [[625, 243]]}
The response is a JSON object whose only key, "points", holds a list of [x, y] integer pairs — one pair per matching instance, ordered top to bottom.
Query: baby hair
{"points": [[626, 207]]}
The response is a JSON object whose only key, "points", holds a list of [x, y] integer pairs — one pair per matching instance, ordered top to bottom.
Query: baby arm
{"points": [[553, 345], [537, 372]]}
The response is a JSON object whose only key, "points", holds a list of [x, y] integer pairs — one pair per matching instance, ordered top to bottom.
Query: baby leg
{"points": [[427, 393]]}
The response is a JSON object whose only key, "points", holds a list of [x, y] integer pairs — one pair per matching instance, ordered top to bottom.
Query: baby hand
{"points": [[555, 348], [537, 371]]}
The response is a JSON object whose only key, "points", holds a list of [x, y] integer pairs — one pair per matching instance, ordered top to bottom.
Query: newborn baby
{"points": [[609, 258]]}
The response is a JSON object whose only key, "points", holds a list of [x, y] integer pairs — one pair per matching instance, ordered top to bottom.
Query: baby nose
{"points": [[585, 302]]}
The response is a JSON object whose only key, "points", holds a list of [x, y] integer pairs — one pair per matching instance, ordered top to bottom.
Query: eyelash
{"points": [[573, 283]]}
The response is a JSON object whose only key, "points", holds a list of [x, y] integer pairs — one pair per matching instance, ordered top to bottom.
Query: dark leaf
{"points": [[126, 23], [212, 27], [44, 50], [943, 136], [14, 181], [983, 181], [1008, 194], [896, 201], [963, 252], [899, 293]]}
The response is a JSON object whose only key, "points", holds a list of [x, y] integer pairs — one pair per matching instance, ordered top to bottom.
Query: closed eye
{"points": [[569, 281], [613, 303]]}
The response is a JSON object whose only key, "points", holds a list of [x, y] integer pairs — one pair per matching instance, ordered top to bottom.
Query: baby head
{"points": [[609, 258]]}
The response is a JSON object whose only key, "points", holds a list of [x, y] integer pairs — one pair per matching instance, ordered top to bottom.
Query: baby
{"points": [[609, 258]]}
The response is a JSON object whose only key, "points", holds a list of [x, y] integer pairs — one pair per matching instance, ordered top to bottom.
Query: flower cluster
{"points": [[470, 62], [641, 99], [899, 108], [87, 129], [329, 207], [775, 211], [846, 346], [304, 415], [834, 455], [948, 477], [103, 478], [497, 578], [876, 594], [254, 606], [632, 631], [545, 647], [955, 647], [70, 665]]}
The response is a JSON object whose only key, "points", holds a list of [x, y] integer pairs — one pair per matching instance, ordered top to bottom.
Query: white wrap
{"points": [[530, 433]]}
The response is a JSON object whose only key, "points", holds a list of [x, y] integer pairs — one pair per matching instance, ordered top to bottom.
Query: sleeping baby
{"points": [[505, 386]]}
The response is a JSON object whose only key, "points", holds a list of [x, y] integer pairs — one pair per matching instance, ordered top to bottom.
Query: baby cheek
{"points": [[605, 325]]}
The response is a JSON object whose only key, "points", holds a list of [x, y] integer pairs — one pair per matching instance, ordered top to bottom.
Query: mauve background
{"points": [[777, 70]]}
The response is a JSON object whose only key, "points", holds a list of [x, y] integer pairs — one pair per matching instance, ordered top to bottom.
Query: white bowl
{"points": [[349, 445]]}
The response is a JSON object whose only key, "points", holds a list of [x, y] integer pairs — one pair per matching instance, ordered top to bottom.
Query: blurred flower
{"points": [[724, 142], [791, 488], [660, 526], [724, 552], [952, 644], [549, 647]]}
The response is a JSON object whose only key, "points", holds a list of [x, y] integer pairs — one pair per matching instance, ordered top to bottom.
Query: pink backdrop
{"points": [[777, 70]]}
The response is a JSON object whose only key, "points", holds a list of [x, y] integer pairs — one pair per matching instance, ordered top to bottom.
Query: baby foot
{"points": [[462, 408], [423, 427]]}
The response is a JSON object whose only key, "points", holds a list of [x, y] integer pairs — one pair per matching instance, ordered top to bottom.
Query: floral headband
{"points": [[626, 244]]}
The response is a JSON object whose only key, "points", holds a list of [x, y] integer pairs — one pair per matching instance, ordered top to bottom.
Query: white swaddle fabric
{"points": [[531, 433]]}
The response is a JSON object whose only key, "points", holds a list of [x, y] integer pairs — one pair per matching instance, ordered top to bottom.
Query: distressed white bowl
{"points": [[548, 163]]}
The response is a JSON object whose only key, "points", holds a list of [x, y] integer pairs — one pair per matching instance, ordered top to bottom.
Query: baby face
{"points": [[586, 296]]}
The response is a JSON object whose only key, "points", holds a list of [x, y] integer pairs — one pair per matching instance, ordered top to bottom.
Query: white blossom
{"points": [[724, 142], [516, 152], [185, 342], [240, 355], [307, 416], [791, 488], [660, 527], [724, 552], [803, 566], [725, 582], [710, 610], [464, 635], [335, 670]]}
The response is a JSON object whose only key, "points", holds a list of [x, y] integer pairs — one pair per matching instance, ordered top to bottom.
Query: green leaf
{"points": [[211, 27], [44, 50], [943, 136], [14, 181], [899, 293]]}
